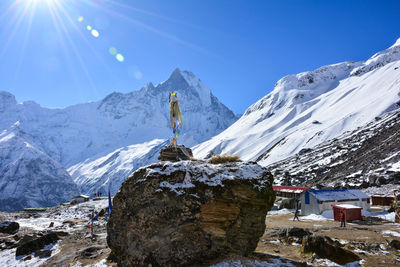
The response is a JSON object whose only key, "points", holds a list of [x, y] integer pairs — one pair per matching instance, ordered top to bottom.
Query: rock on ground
{"points": [[188, 212], [9, 227], [31, 244], [325, 247]]}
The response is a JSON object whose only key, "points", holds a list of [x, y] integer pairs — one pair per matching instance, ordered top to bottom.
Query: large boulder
{"points": [[175, 153], [188, 212], [8, 227], [29, 244], [325, 247]]}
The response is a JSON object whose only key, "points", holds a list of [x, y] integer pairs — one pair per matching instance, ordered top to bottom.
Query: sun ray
{"points": [[9, 9], [62, 9], [15, 28], [25, 41], [76, 52], [70, 68]]}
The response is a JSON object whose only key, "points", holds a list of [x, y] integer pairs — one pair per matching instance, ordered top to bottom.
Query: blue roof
{"points": [[338, 194]]}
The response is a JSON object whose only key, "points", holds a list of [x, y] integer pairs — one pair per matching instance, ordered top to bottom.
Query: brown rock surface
{"points": [[175, 153], [185, 213]]}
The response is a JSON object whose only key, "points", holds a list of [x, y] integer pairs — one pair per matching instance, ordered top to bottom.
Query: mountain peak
{"points": [[176, 71], [176, 77], [186, 80]]}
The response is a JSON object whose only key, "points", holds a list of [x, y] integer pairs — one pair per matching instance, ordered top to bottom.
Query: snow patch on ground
{"points": [[395, 167], [326, 215], [388, 217], [38, 224], [389, 232], [7, 257], [326, 262], [101, 263]]}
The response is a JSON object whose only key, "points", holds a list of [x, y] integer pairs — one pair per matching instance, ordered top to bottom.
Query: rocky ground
{"points": [[371, 239], [74, 246]]}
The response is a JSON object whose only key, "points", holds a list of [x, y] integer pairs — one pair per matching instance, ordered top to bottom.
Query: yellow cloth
{"points": [[174, 111]]}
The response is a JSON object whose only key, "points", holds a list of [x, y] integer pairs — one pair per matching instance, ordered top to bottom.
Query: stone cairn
{"points": [[175, 153]]}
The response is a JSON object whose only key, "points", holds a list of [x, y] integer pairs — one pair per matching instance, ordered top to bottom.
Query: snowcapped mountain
{"points": [[309, 108], [76, 133], [106, 140], [368, 156], [95, 175], [28, 177]]}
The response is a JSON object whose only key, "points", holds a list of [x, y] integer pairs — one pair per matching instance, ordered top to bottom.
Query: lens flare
{"points": [[80, 19], [89, 28], [95, 33], [113, 51], [119, 57], [138, 75]]}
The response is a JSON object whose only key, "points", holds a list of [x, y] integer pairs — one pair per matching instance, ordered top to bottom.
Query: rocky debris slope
{"points": [[368, 156], [188, 212]]}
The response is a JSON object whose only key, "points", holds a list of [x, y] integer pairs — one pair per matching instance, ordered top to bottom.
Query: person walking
{"points": [[296, 215], [342, 219]]}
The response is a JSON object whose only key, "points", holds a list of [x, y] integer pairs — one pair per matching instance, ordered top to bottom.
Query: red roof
{"points": [[289, 189]]}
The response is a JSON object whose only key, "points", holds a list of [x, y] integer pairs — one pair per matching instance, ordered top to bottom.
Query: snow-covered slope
{"points": [[306, 109], [73, 134], [368, 156], [95, 175], [28, 177]]}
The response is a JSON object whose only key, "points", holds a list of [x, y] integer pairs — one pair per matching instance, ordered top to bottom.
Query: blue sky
{"points": [[240, 49]]}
